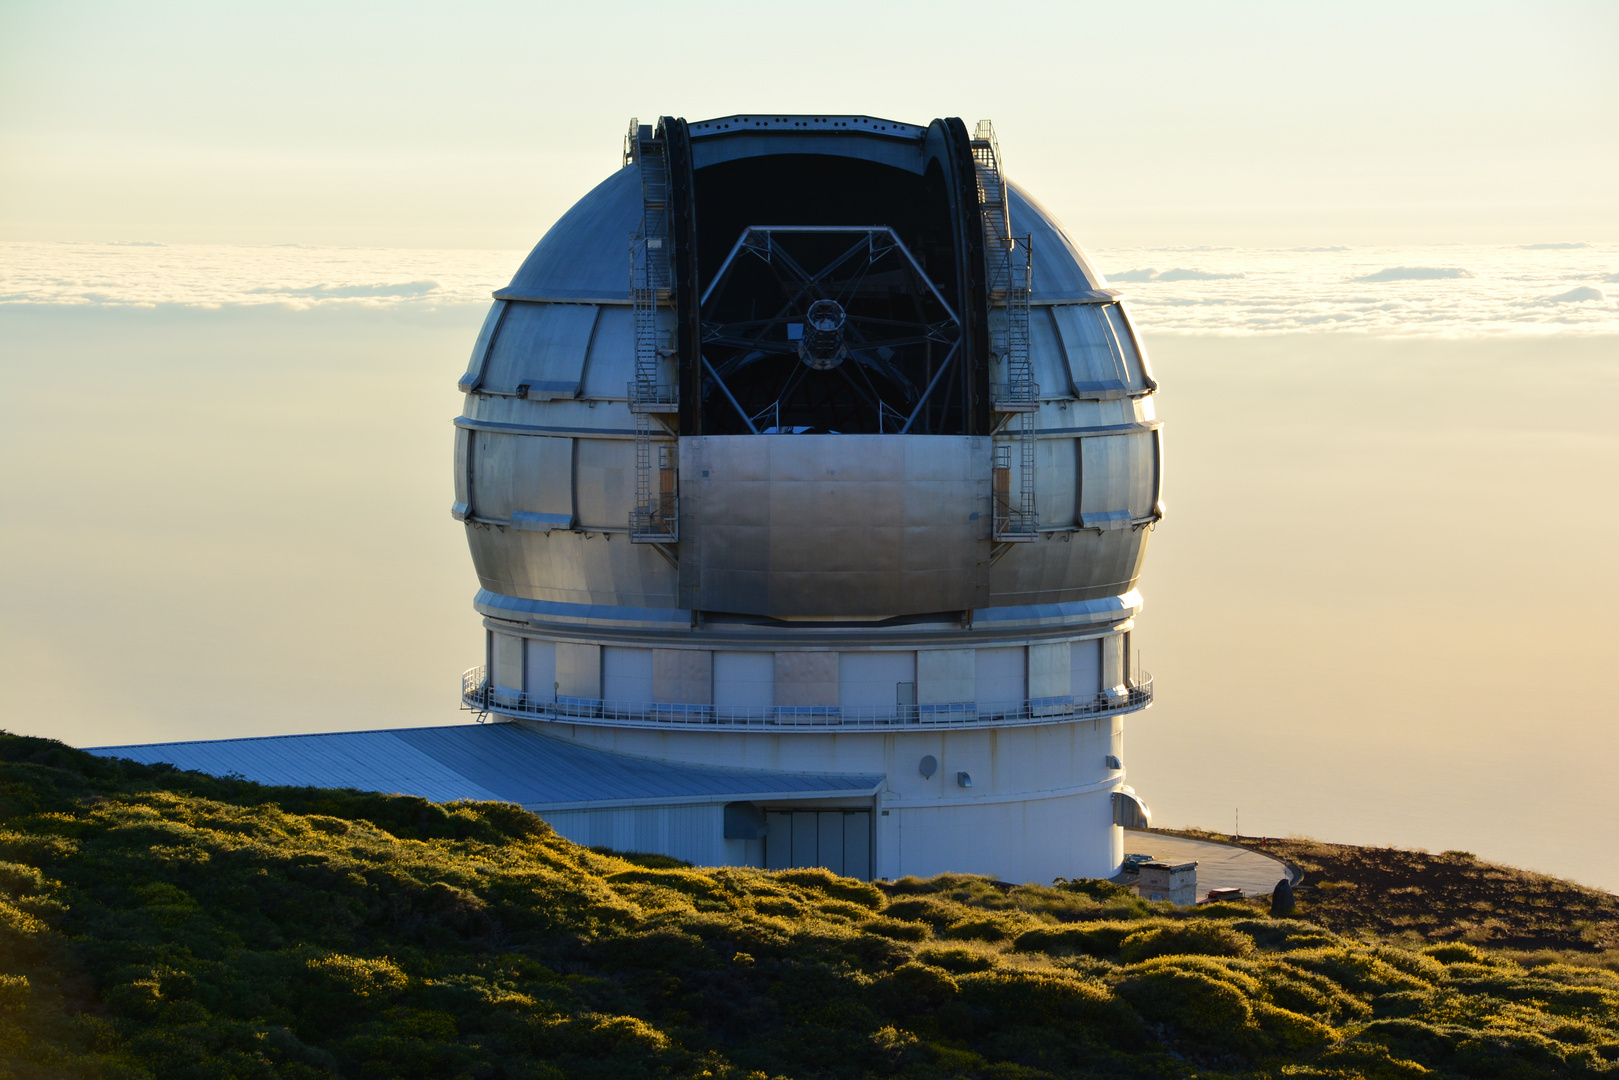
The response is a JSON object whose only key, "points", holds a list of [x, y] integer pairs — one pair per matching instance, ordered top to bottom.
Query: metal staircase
{"points": [[1008, 269], [655, 516]]}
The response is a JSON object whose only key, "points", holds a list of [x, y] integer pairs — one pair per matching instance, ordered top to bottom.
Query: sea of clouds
{"points": [[220, 275], [1444, 291], [1447, 291]]}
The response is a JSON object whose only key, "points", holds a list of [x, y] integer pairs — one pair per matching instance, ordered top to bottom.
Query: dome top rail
{"points": [[868, 125], [477, 695]]}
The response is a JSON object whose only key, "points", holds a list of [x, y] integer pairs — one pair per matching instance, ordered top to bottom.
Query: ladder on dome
{"points": [[1008, 274], [654, 519]]}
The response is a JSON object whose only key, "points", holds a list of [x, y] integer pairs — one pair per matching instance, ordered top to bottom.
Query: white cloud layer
{"points": [[1417, 273], [133, 274], [1177, 274], [1449, 291], [1580, 295]]}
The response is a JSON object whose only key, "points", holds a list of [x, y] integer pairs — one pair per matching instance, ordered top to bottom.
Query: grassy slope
{"points": [[1416, 897], [155, 923]]}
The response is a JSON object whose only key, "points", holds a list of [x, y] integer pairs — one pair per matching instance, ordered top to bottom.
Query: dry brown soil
{"points": [[1411, 895]]}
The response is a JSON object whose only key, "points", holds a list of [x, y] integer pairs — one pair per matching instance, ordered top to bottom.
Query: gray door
{"points": [[778, 840], [839, 840]]}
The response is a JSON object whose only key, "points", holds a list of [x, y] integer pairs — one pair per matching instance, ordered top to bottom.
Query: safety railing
{"points": [[653, 397], [1014, 397], [479, 696]]}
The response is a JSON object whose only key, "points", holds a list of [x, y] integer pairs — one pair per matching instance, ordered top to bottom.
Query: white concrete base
{"points": [[1018, 804], [1027, 841]]}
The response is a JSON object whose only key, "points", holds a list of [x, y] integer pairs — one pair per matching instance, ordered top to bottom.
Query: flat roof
{"points": [[502, 762]]}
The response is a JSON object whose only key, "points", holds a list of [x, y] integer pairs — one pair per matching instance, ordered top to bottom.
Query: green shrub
{"points": [[645, 859], [19, 880], [682, 880], [830, 884], [963, 888], [1095, 888], [1083, 900], [1226, 909], [936, 911], [155, 923], [986, 927], [898, 929], [1286, 934], [1197, 938], [1093, 939], [1455, 952], [957, 960], [1416, 965], [1355, 970], [1239, 975], [356, 976], [914, 987], [1309, 993], [1052, 998], [1403, 1003], [1204, 1008], [1289, 1030], [1368, 1061]]}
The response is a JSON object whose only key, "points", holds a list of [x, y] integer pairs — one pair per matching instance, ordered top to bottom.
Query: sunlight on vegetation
{"points": [[155, 923]]}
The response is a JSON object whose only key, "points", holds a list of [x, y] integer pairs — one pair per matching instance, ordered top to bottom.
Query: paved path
{"points": [[1219, 866]]}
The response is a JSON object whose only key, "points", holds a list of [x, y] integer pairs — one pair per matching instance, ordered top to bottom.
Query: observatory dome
{"points": [[815, 442]]}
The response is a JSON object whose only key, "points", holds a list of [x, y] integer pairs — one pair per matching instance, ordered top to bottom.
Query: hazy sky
{"points": [[444, 125], [1382, 605]]}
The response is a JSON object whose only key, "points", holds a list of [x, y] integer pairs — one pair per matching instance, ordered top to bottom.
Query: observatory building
{"points": [[807, 468]]}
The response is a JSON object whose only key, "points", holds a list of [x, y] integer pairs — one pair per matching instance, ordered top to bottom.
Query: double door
{"points": [[839, 840]]}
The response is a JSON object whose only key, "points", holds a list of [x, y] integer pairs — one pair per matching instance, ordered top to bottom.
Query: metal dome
{"points": [[583, 257], [817, 427]]}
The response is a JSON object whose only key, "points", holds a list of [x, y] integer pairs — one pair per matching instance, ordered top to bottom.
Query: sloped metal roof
{"points": [[584, 257], [1062, 270], [504, 762]]}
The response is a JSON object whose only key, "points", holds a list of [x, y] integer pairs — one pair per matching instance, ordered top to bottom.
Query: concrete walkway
{"points": [[1219, 866]]}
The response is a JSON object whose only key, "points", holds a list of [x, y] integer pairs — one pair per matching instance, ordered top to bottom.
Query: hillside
{"points": [[1415, 898], [164, 924]]}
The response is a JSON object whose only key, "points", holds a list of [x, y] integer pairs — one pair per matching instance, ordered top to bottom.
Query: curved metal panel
{"points": [[585, 255], [1062, 270], [1129, 327], [480, 348], [1101, 349], [539, 350], [1047, 357], [610, 364], [605, 477], [523, 480], [1056, 482], [1118, 483], [461, 509], [830, 525], [572, 567], [1061, 567], [517, 609], [1130, 812]]}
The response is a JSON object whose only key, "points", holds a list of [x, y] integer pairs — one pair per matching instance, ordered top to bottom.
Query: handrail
{"points": [[478, 696]]}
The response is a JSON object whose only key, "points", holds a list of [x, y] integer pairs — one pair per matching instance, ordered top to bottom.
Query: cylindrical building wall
{"points": [[672, 567]]}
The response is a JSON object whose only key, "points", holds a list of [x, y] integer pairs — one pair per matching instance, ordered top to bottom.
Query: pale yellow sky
{"points": [[475, 126], [1381, 607]]}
